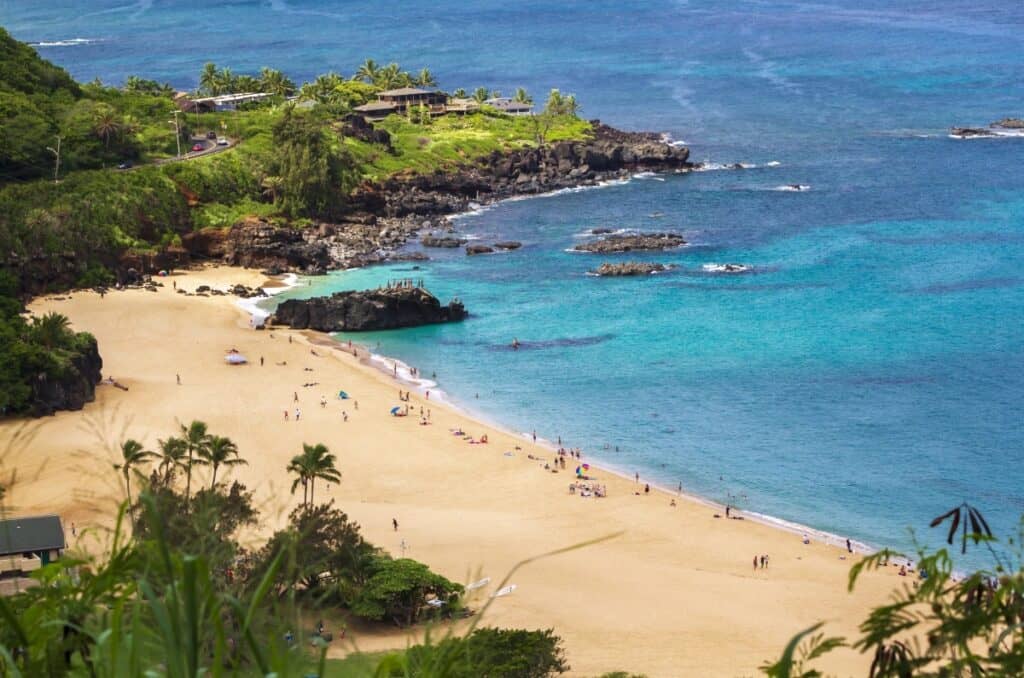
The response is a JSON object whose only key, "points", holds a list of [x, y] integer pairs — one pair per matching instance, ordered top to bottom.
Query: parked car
{"points": [[211, 135], [222, 141], [197, 147], [125, 165]]}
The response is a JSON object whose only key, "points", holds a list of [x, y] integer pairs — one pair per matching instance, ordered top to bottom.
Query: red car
{"points": [[197, 148]]}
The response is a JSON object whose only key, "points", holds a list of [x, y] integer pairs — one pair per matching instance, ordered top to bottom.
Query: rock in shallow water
{"points": [[632, 242], [629, 268], [380, 309]]}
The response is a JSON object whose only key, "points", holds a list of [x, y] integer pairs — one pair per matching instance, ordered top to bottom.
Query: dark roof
{"points": [[405, 91], [376, 106], [33, 533]]}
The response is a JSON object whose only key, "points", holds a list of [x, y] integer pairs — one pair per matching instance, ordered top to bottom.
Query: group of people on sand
{"points": [[588, 489], [761, 562]]}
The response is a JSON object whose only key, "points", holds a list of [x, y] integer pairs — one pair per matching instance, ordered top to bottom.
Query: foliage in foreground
{"points": [[182, 597], [942, 624]]}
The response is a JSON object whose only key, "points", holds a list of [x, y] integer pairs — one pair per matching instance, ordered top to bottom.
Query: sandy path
{"points": [[674, 595]]}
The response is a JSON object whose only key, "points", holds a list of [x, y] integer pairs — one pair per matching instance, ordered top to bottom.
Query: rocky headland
{"points": [[1004, 127], [384, 215], [632, 242], [628, 268], [359, 311], [74, 386]]}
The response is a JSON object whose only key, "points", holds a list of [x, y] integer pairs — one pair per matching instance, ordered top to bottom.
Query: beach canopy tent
{"points": [[235, 359], [342, 395], [395, 410]]}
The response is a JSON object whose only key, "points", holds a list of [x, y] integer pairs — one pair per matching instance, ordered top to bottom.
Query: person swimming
{"points": [[515, 344]]}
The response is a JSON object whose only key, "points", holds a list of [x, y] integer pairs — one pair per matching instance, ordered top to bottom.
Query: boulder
{"points": [[1009, 123], [442, 241], [632, 242], [508, 245], [479, 249], [628, 268], [355, 311], [76, 384]]}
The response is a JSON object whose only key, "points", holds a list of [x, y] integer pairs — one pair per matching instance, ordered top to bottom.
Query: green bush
{"points": [[398, 591], [493, 653]]}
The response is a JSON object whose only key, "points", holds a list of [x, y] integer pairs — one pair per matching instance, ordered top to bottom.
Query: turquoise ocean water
{"points": [[864, 376]]}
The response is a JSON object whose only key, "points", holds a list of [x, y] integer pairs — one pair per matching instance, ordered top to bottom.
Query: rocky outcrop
{"points": [[1009, 123], [967, 132], [609, 154], [442, 241], [254, 243], [632, 243], [508, 245], [479, 249], [629, 268], [380, 309], [74, 386]]}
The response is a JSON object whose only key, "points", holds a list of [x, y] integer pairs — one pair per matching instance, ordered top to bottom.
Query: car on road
{"points": [[211, 135], [222, 141], [197, 147], [125, 165]]}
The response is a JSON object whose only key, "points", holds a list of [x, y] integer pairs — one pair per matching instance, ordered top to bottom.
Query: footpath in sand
{"points": [[674, 595]]}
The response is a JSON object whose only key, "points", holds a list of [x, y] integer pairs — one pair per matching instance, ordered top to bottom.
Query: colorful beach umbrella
{"points": [[395, 409]]}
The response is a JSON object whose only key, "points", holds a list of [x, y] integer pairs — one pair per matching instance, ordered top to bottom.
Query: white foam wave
{"points": [[71, 42], [993, 133], [772, 163], [794, 188], [589, 233], [725, 268], [252, 305], [404, 373]]}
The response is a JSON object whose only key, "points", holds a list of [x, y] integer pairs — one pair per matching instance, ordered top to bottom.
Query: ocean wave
{"points": [[71, 42], [991, 133], [721, 166], [793, 188], [726, 268], [252, 304], [403, 371]]}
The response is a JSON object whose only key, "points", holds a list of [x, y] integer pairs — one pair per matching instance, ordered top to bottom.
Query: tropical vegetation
{"points": [[179, 595]]}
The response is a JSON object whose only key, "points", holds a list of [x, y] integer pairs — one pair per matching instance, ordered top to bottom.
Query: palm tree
{"points": [[367, 72], [391, 76], [425, 78], [208, 81], [226, 81], [275, 82], [459, 93], [480, 94], [522, 96], [106, 124], [271, 186], [51, 330], [196, 442], [220, 451], [133, 454], [172, 456], [316, 461]]}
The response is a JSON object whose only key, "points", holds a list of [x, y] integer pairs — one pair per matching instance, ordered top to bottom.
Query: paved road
{"points": [[209, 148]]}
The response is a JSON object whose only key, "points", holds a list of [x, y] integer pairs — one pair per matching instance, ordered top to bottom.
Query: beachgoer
{"points": [[174, 284], [289, 338], [261, 361], [178, 376], [428, 394], [295, 396], [323, 401], [355, 404], [298, 413], [286, 415], [344, 415], [535, 435], [636, 477], [647, 488], [680, 488], [672, 502], [727, 509], [394, 522], [74, 532], [806, 540], [849, 547], [755, 562], [766, 562]]}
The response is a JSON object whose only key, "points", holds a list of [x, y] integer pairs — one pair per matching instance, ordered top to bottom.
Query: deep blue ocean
{"points": [[863, 377]]}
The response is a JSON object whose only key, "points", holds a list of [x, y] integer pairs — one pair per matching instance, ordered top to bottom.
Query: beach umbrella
{"points": [[235, 359], [342, 395], [394, 410]]}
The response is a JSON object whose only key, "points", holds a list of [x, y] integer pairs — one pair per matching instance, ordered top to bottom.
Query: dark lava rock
{"points": [[1009, 123], [965, 132], [442, 241], [633, 242], [508, 245], [479, 249], [629, 268], [380, 309], [75, 386]]}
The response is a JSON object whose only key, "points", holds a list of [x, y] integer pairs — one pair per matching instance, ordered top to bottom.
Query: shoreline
{"points": [[464, 509]]}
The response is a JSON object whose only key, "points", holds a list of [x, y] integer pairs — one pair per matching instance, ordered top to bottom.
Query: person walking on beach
{"points": [[261, 361], [178, 377], [295, 396], [323, 401], [298, 413], [286, 414], [344, 416], [535, 435], [636, 477], [647, 488], [727, 509], [394, 522], [849, 547], [755, 563]]}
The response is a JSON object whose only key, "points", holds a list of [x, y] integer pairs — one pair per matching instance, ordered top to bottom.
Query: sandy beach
{"points": [[675, 594]]}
